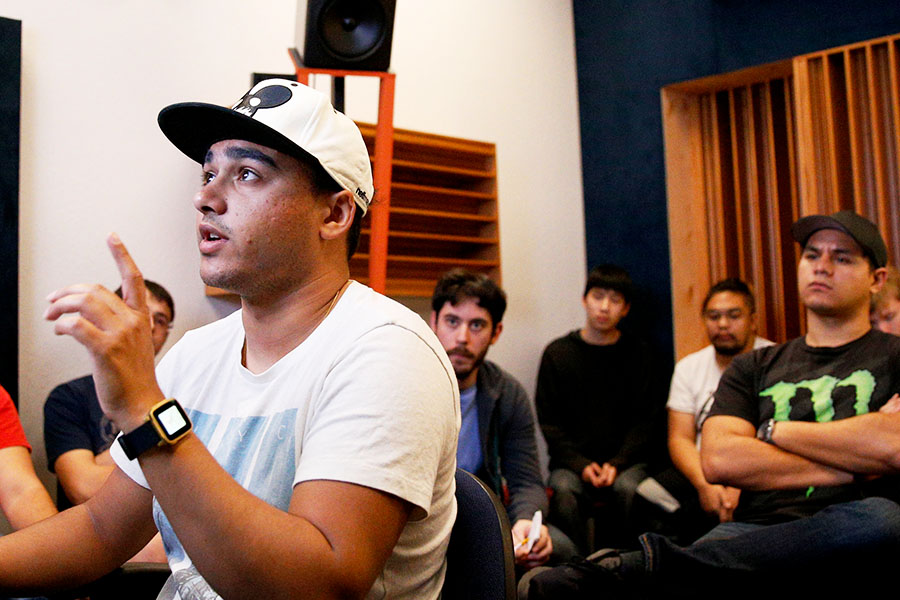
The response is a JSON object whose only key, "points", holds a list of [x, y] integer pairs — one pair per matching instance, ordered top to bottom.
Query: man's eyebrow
{"points": [[238, 152], [849, 250]]}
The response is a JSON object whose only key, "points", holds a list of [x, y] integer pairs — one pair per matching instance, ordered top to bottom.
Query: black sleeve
{"points": [[736, 394], [551, 409], [64, 427], [643, 441], [518, 455]]}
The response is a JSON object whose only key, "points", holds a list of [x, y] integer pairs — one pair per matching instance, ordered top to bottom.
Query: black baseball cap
{"points": [[862, 230]]}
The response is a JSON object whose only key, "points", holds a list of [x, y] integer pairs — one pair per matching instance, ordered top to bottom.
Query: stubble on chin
{"points": [[224, 280]]}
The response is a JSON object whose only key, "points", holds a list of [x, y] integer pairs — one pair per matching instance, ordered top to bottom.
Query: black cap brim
{"points": [[193, 127], [803, 228], [863, 231]]}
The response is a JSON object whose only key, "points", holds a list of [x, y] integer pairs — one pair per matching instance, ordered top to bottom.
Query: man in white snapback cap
{"points": [[303, 446]]}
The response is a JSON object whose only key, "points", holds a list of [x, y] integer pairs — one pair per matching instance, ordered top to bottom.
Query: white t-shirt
{"points": [[694, 382], [368, 398]]}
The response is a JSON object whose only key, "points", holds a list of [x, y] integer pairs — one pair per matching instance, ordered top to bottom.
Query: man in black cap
{"points": [[809, 430], [322, 455]]}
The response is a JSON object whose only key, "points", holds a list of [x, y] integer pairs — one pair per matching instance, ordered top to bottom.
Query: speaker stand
{"points": [[337, 93], [381, 162]]}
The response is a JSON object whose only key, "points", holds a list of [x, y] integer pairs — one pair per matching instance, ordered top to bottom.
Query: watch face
{"points": [[173, 420]]}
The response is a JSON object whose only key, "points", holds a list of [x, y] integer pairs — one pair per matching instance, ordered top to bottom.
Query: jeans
{"points": [[573, 500], [566, 504], [852, 540], [564, 549]]}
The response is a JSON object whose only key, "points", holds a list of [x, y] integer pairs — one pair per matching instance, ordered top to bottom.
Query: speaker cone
{"points": [[351, 29]]}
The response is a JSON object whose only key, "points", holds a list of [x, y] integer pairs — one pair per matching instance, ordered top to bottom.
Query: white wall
{"points": [[96, 72]]}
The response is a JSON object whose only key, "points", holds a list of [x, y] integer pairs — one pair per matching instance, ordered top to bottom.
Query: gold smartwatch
{"points": [[165, 425]]}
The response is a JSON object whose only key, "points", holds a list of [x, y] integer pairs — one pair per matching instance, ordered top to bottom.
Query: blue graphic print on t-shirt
{"points": [[257, 451]]}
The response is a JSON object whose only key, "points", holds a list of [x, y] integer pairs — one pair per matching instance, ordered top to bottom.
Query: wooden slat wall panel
{"points": [[890, 86], [878, 92], [851, 108], [737, 113], [857, 117], [816, 134], [839, 135], [746, 164], [694, 169], [712, 184], [788, 210], [729, 259]]}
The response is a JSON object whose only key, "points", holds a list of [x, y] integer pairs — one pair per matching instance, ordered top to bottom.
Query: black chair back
{"points": [[480, 560]]}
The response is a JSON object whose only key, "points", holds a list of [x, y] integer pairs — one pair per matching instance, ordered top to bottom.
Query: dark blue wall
{"points": [[626, 51]]}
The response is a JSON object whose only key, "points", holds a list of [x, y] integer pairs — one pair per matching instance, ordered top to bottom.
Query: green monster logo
{"points": [[782, 393]]}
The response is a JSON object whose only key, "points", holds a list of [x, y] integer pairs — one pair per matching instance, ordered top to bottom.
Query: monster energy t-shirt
{"points": [[796, 382]]}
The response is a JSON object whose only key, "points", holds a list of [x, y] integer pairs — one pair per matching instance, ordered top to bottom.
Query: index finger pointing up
{"points": [[133, 291]]}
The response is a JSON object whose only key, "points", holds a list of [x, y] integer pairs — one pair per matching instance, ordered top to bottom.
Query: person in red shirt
{"points": [[23, 498]]}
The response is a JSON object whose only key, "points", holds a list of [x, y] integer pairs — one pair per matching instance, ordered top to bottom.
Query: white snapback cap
{"points": [[283, 115]]}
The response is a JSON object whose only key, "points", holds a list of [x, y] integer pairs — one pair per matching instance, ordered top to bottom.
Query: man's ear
{"points": [[341, 209], [879, 276], [433, 321], [496, 335]]}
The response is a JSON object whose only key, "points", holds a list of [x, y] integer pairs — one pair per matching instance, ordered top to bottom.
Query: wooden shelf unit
{"points": [[443, 211]]}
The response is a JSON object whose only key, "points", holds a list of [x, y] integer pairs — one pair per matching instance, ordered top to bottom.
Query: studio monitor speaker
{"points": [[346, 34]]}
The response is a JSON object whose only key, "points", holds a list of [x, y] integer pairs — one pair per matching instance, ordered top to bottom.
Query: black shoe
{"points": [[607, 558], [596, 576]]}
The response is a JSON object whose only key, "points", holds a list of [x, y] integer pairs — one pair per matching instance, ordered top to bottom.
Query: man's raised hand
{"points": [[117, 334]]}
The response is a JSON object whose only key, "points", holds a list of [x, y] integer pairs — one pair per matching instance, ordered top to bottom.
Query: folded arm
{"points": [[868, 444], [731, 455]]}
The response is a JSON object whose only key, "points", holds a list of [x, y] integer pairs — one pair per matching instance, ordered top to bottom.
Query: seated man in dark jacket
{"points": [[497, 437]]}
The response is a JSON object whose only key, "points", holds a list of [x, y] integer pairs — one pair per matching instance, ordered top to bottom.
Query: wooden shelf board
{"points": [[450, 144], [431, 168], [432, 190], [441, 214], [439, 237], [439, 260], [415, 288]]}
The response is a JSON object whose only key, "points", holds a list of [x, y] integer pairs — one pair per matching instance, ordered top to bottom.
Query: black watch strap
{"points": [[166, 423], [765, 430], [140, 440]]}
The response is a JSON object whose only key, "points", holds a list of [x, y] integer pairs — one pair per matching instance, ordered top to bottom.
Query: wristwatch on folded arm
{"points": [[165, 425]]}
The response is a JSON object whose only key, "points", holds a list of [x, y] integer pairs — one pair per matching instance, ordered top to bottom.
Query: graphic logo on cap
{"points": [[268, 97]]}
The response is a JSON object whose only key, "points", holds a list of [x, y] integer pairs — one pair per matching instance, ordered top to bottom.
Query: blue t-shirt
{"points": [[468, 451]]}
